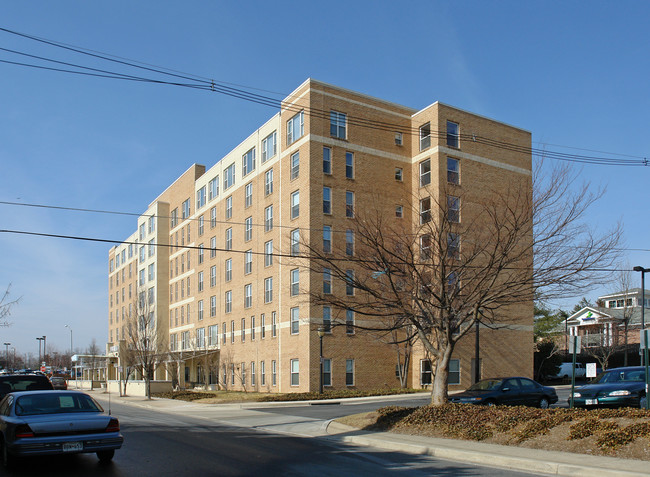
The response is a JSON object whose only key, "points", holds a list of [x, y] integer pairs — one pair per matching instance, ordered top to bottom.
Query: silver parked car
{"points": [[56, 422]]}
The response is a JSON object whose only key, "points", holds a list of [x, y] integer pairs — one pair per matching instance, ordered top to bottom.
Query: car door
{"points": [[510, 392], [531, 392]]}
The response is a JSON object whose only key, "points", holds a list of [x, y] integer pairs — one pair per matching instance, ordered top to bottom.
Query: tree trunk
{"points": [[439, 391]]}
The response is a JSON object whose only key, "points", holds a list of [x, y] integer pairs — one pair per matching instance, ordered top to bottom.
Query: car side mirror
{"points": [[505, 390]]}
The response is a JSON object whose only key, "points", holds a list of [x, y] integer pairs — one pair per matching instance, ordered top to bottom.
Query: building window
{"points": [[338, 123], [295, 127], [453, 135], [425, 136], [398, 139], [269, 147], [327, 160], [248, 162], [295, 165], [349, 165], [453, 171], [425, 172], [399, 174], [229, 176], [268, 182], [213, 188], [248, 195], [200, 198], [327, 200], [295, 204], [349, 204], [228, 207], [186, 209], [453, 209], [425, 210], [399, 211], [213, 217], [174, 218], [268, 218], [201, 226], [152, 228], [248, 229], [229, 238], [327, 239], [141, 240], [295, 242], [349, 242], [453, 246], [213, 247], [425, 247], [152, 248], [268, 253], [200, 255], [248, 262], [228, 269], [152, 273], [213, 276], [200, 281], [327, 281], [295, 282], [349, 282], [268, 290], [213, 305], [228, 307], [327, 319], [295, 320], [349, 321], [262, 326], [232, 331], [223, 333], [213, 335], [242, 335], [200, 337], [243, 368], [454, 371], [252, 372], [295, 372], [327, 372], [349, 372], [425, 372], [262, 373], [274, 373]]}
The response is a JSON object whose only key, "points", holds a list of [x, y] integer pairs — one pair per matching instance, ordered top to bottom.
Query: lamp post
{"points": [[70, 328], [321, 333], [44, 343], [39, 352], [7, 355]]}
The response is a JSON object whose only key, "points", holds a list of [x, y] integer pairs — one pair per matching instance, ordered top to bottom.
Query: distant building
{"points": [[211, 254], [604, 324]]}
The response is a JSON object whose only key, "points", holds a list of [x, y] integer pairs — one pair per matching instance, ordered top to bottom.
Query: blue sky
{"points": [[573, 73]]}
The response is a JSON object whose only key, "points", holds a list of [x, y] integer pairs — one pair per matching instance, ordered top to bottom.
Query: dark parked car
{"points": [[23, 382], [617, 387], [511, 391], [56, 422]]}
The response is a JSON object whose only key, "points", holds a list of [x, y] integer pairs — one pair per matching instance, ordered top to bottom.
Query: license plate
{"points": [[591, 402], [72, 446]]}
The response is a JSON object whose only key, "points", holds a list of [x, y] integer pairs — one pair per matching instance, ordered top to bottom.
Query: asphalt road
{"points": [[164, 444]]}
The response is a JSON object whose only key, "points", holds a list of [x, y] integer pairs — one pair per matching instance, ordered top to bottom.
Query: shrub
{"points": [[590, 426], [614, 439]]}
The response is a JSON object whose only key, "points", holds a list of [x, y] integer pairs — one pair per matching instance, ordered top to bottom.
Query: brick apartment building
{"points": [[212, 251]]}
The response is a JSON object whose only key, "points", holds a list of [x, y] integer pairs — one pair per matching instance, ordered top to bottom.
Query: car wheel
{"points": [[642, 402], [490, 403], [543, 403], [106, 456]]}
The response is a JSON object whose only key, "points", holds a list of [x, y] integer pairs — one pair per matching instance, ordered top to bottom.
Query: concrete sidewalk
{"points": [[507, 457]]}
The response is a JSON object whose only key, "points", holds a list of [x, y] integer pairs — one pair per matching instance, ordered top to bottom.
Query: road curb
{"points": [[540, 461]]}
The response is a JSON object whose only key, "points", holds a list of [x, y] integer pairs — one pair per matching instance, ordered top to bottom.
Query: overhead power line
{"points": [[201, 83]]}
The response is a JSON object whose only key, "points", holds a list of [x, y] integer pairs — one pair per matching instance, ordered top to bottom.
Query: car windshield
{"points": [[621, 376], [486, 385], [51, 403]]}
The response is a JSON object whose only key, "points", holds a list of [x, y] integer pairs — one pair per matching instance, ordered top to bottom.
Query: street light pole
{"points": [[70, 327], [321, 333], [39, 352], [7, 355]]}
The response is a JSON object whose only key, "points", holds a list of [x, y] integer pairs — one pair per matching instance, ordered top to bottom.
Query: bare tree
{"points": [[436, 277], [624, 281], [6, 304], [145, 340], [93, 352], [128, 365]]}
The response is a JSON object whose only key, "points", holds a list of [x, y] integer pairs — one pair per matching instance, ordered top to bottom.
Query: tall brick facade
{"points": [[211, 231]]}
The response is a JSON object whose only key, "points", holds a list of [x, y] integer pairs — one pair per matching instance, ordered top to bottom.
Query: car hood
{"points": [[600, 389], [67, 422]]}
